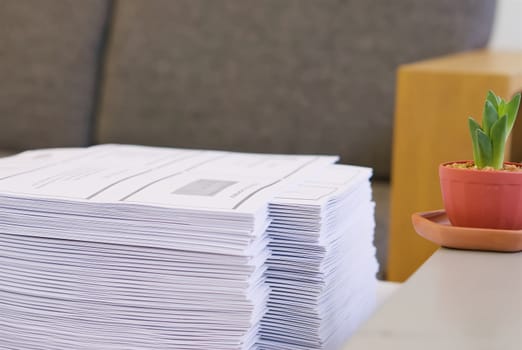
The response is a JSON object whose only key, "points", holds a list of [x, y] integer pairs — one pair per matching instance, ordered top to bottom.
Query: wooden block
{"points": [[434, 99]]}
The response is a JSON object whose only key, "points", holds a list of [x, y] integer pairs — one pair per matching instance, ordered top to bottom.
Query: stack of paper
{"points": [[127, 247], [141, 248], [322, 266]]}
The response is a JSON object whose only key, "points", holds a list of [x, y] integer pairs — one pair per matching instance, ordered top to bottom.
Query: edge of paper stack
{"points": [[134, 247]]}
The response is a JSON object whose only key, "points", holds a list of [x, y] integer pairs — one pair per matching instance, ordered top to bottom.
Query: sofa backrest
{"points": [[49, 60], [294, 76]]}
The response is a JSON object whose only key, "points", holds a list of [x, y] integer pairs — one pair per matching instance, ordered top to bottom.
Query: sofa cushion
{"points": [[49, 56], [299, 76], [5, 153]]}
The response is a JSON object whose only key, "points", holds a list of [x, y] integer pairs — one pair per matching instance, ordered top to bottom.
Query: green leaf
{"points": [[491, 97], [501, 110], [511, 110], [489, 117], [473, 127], [499, 134], [489, 140], [485, 150]]}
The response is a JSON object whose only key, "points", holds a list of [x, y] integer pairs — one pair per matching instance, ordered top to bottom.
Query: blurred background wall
{"points": [[507, 27]]}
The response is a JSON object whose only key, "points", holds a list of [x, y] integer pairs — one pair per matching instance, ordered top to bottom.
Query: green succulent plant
{"points": [[489, 140]]}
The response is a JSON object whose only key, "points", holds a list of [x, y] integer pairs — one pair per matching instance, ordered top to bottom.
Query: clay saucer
{"points": [[435, 227]]}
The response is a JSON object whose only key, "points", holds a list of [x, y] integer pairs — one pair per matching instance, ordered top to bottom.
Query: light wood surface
{"points": [[434, 99], [458, 300]]}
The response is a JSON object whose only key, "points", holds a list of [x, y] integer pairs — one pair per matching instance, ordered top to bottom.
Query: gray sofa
{"points": [[286, 76]]}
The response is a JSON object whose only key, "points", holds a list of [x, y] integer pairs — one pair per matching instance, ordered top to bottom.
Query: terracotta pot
{"points": [[485, 199]]}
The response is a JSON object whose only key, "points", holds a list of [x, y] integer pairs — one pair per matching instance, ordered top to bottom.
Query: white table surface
{"points": [[456, 300]]}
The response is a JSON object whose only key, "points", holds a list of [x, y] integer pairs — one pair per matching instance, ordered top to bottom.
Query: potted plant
{"points": [[486, 192]]}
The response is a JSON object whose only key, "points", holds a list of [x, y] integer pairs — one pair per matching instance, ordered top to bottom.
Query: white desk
{"points": [[456, 300]]}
